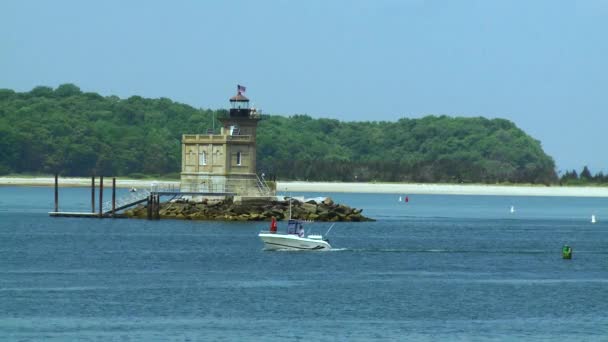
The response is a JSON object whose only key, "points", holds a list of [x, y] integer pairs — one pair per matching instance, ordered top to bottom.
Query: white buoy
{"points": [[400, 199], [512, 209], [592, 218]]}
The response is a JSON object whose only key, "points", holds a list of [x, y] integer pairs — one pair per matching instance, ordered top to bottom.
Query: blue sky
{"points": [[541, 64]]}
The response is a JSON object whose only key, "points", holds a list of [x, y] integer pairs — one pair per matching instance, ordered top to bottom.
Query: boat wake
{"points": [[290, 250], [446, 251]]}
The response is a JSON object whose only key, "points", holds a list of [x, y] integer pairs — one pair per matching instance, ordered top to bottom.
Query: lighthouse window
{"points": [[240, 104], [191, 157], [202, 158], [238, 158]]}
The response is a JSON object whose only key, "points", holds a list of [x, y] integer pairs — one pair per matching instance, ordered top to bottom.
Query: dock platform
{"points": [[110, 209], [79, 214]]}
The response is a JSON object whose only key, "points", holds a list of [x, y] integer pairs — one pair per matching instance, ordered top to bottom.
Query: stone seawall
{"points": [[254, 210]]}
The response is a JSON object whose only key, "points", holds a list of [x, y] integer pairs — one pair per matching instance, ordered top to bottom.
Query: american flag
{"points": [[240, 88]]}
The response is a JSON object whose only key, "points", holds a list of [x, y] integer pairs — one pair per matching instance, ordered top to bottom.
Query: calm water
{"points": [[437, 268]]}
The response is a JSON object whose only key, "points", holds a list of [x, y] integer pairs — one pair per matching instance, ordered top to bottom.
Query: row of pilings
{"points": [[97, 210], [100, 212]]}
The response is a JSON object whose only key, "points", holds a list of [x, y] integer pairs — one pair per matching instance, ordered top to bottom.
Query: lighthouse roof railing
{"points": [[239, 98], [215, 138]]}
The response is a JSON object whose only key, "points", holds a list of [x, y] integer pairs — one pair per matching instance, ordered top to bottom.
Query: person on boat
{"points": [[273, 225]]}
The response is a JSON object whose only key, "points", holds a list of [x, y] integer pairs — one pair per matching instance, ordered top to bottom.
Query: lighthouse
{"points": [[225, 162]]}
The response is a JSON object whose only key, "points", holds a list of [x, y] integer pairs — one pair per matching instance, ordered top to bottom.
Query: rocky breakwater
{"points": [[254, 209]]}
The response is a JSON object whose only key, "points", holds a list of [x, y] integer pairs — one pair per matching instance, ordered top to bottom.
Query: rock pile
{"points": [[254, 210]]}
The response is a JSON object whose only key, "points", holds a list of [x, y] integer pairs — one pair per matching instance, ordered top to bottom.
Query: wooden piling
{"points": [[56, 192], [93, 194], [100, 196], [113, 196], [149, 207], [154, 207], [157, 207]]}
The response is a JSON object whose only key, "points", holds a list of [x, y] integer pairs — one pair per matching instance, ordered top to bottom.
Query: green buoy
{"points": [[567, 252]]}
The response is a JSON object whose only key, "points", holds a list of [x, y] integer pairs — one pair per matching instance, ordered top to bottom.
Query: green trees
{"points": [[66, 90], [65, 130], [75, 133], [9, 149], [431, 149], [585, 174], [585, 177]]}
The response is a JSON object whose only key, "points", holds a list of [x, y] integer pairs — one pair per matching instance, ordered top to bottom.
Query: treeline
{"points": [[77, 133], [585, 177]]}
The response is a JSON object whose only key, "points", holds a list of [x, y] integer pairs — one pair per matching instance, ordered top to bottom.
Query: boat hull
{"points": [[292, 242]]}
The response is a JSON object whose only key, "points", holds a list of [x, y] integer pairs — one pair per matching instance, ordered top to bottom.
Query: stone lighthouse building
{"points": [[225, 162]]}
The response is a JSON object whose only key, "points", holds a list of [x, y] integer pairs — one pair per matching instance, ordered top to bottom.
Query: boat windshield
{"points": [[294, 227]]}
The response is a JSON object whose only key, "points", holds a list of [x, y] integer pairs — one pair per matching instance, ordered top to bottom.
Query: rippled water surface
{"points": [[436, 268]]}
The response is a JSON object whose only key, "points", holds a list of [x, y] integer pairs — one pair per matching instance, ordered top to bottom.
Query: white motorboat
{"points": [[294, 239]]}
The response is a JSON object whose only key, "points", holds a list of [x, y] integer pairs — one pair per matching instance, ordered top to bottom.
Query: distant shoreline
{"points": [[389, 188], [446, 189]]}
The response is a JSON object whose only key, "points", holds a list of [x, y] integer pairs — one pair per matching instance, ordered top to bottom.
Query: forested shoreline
{"points": [[78, 133]]}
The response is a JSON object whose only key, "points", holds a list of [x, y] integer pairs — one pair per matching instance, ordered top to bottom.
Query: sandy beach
{"points": [[322, 187], [444, 189]]}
